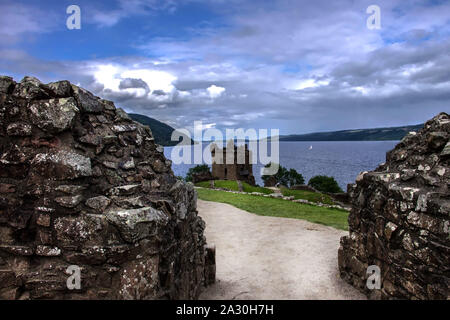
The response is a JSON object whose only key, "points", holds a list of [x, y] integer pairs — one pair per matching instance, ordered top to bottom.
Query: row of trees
{"points": [[285, 177], [291, 177]]}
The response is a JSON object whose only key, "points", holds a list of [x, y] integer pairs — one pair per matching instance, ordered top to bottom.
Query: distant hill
{"points": [[161, 131], [376, 134]]}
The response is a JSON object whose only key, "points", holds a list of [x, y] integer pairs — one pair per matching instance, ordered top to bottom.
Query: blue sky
{"points": [[297, 66]]}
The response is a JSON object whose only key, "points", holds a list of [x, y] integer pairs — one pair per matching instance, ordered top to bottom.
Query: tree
{"points": [[197, 169], [284, 177], [295, 178], [325, 184]]}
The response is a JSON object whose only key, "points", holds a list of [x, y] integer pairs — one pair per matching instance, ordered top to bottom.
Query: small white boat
{"points": [[310, 148]]}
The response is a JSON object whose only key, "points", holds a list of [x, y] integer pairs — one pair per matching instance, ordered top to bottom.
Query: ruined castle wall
{"points": [[232, 171], [83, 185], [400, 220]]}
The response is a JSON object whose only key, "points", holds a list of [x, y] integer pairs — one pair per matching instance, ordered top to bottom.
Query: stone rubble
{"points": [[82, 184]]}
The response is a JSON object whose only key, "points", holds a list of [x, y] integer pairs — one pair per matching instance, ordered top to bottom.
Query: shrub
{"points": [[197, 169], [285, 177], [295, 178], [325, 184]]}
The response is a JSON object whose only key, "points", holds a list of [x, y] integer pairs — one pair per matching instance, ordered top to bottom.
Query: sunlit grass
{"points": [[308, 195], [266, 206]]}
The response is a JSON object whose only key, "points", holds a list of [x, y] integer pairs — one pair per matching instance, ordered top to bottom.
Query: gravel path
{"points": [[272, 258]]}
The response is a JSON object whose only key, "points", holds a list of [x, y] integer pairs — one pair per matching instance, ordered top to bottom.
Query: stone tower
{"points": [[237, 167]]}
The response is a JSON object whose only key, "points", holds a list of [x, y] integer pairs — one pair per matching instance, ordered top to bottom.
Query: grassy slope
{"points": [[203, 184], [226, 184], [233, 186], [248, 188], [308, 195], [278, 208]]}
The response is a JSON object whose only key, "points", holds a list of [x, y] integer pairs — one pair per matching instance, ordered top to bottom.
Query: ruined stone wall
{"points": [[239, 169], [82, 184], [400, 219]]}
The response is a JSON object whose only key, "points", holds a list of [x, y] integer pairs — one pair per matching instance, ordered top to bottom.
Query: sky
{"points": [[297, 66]]}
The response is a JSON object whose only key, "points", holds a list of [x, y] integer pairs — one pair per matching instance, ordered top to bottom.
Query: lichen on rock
{"points": [[82, 184], [398, 220]]}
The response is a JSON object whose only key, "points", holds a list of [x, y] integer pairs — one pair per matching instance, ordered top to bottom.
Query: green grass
{"points": [[203, 184], [226, 184], [233, 186], [248, 188], [308, 195], [278, 208]]}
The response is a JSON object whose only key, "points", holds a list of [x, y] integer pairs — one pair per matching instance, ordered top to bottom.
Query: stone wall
{"points": [[239, 169], [83, 185], [400, 219]]}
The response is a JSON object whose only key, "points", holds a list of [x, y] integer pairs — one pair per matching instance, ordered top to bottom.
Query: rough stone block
{"points": [[82, 184]]}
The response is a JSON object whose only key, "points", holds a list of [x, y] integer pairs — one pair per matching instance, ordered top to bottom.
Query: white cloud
{"points": [[316, 66], [107, 75], [156, 80], [310, 83], [153, 85], [361, 90], [215, 91], [204, 126]]}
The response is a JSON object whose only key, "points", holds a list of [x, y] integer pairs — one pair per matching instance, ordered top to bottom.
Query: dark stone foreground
{"points": [[83, 185], [400, 219]]}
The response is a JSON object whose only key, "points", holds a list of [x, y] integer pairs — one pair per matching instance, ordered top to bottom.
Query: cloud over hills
{"points": [[300, 66]]}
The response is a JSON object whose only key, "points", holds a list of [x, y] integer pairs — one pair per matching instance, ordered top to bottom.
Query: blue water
{"points": [[343, 160]]}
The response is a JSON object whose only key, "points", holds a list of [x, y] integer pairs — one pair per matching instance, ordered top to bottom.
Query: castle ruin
{"points": [[232, 163]]}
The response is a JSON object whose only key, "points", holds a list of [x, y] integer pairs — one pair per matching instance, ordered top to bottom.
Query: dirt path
{"points": [[272, 258]]}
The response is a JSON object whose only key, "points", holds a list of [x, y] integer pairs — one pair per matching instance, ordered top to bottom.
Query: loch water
{"points": [[343, 160]]}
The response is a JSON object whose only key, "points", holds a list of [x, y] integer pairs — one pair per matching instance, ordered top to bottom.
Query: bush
{"points": [[197, 169], [285, 177], [295, 178], [325, 184]]}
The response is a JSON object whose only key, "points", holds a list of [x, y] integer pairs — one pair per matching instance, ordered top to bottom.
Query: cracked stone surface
{"points": [[82, 184], [399, 218]]}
